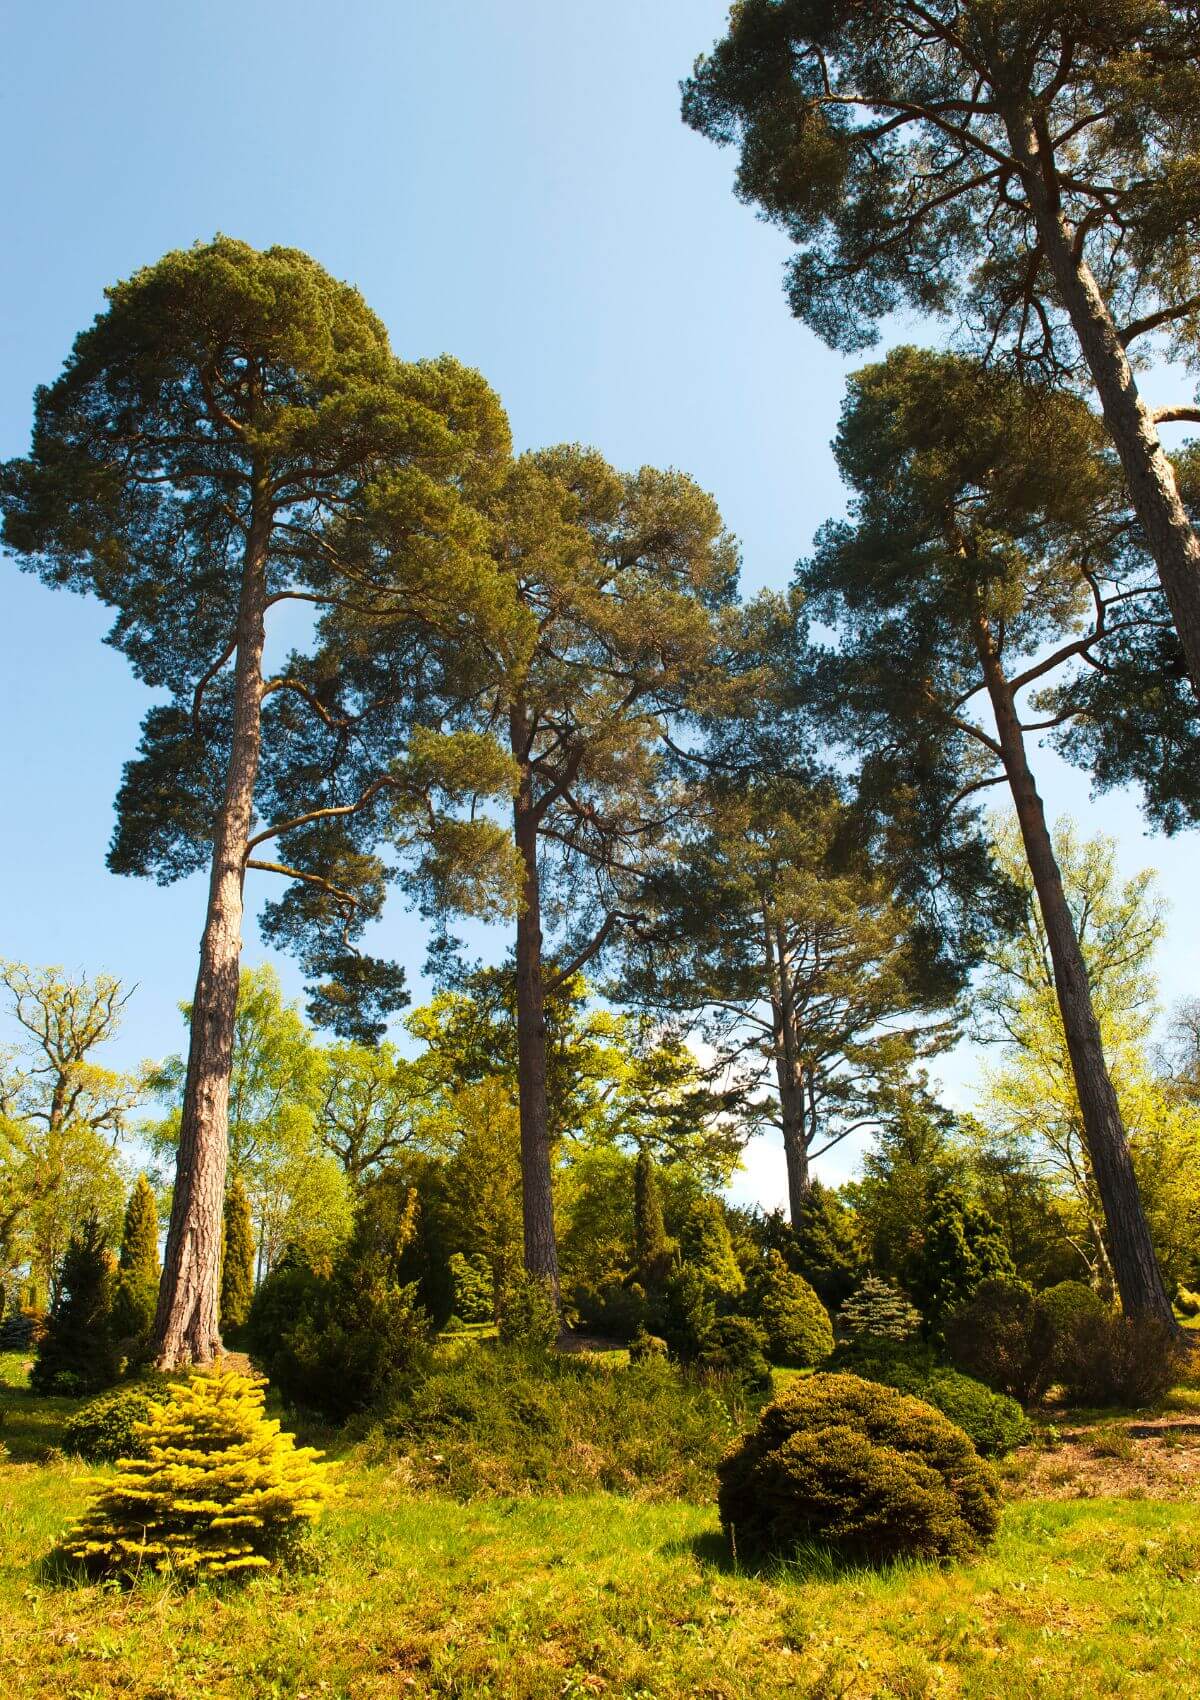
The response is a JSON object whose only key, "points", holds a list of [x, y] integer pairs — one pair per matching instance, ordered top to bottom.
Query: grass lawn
{"points": [[602, 1595]]}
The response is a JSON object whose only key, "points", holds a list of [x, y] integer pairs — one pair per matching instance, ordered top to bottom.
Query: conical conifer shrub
{"points": [[237, 1259], [136, 1293], [75, 1354], [220, 1491]]}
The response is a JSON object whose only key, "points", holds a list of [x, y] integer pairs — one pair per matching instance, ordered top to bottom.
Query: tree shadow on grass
{"points": [[713, 1550]]}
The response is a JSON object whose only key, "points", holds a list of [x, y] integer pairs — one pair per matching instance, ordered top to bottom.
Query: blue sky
{"points": [[508, 183]]}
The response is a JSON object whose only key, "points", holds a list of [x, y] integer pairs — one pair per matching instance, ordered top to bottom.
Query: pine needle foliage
{"points": [[220, 1490]]}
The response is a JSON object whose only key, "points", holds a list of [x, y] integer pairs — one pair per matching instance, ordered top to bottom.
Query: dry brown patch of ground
{"points": [[1155, 1458]]}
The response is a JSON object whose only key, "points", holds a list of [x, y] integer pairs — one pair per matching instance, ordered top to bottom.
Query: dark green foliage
{"points": [[962, 1248], [829, 1249], [652, 1252], [237, 1259], [282, 1296], [474, 1299], [614, 1307], [879, 1310], [528, 1312], [682, 1313], [796, 1323], [353, 1332], [1002, 1337], [645, 1345], [737, 1347], [76, 1353], [1110, 1359], [499, 1420], [995, 1423], [104, 1429], [857, 1467]]}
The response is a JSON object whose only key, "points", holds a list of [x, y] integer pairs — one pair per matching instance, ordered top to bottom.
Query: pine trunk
{"points": [[1149, 475], [789, 1072], [537, 1192], [1132, 1252], [187, 1323]]}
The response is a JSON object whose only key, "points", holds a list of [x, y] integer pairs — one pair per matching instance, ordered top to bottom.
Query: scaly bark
{"points": [[1149, 475], [789, 1070], [541, 1249], [1131, 1249], [187, 1323]]}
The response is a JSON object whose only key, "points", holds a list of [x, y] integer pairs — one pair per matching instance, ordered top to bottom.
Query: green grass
{"points": [[598, 1595]]}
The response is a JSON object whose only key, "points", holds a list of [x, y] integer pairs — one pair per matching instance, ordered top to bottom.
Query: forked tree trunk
{"points": [[1149, 475], [537, 1191], [1131, 1249], [187, 1323]]}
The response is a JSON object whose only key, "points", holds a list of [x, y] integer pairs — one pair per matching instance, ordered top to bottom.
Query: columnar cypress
{"points": [[649, 1232], [237, 1262], [138, 1269]]}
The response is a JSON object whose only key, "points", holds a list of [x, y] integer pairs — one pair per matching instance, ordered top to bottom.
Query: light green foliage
{"points": [[1029, 1097], [373, 1103], [62, 1115], [297, 1189], [705, 1248], [237, 1258], [474, 1294], [879, 1311], [528, 1312], [797, 1326], [495, 1420], [855, 1466], [219, 1490]]}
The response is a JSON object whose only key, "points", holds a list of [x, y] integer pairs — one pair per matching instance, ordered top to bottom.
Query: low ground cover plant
{"points": [[504, 1420], [859, 1468]]}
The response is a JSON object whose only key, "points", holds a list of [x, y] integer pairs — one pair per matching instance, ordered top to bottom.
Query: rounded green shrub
{"points": [[1187, 1302], [1067, 1307], [528, 1312], [796, 1323], [1000, 1337], [644, 1346], [735, 1346], [993, 1421], [106, 1428], [860, 1468]]}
